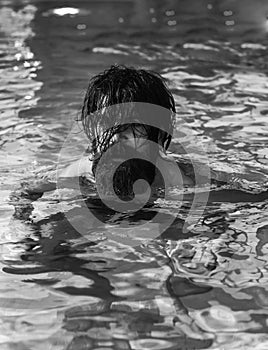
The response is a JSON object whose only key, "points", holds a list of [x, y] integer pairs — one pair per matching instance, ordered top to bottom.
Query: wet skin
{"points": [[137, 144]]}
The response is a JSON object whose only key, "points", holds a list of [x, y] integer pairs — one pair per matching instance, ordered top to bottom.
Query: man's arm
{"points": [[45, 182], [33, 188]]}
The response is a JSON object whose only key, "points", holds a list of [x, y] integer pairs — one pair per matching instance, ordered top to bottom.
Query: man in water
{"points": [[132, 112]]}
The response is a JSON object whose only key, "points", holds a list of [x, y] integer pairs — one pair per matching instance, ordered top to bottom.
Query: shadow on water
{"points": [[127, 299], [128, 304]]}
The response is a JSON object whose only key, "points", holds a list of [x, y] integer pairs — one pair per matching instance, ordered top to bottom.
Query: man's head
{"points": [[108, 116]]}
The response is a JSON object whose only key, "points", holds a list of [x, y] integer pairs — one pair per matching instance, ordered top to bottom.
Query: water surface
{"points": [[201, 289]]}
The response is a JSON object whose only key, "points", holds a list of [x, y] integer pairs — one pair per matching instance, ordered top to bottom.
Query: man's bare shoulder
{"points": [[82, 166], [172, 172], [45, 179]]}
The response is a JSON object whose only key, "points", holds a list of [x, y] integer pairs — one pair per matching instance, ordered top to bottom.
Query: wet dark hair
{"points": [[118, 85], [121, 98]]}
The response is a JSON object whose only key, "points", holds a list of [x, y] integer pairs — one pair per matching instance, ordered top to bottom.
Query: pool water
{"points": [[201, 288]]}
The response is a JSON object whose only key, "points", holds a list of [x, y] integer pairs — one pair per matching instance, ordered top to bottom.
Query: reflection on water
{"points": [[18, 87], [201, 289]]}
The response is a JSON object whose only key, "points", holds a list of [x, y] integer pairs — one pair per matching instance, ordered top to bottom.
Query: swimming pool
{"points": [[204, 288]]}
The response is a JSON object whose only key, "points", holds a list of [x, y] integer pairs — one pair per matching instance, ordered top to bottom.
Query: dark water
{"points": [[203, 288]]}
